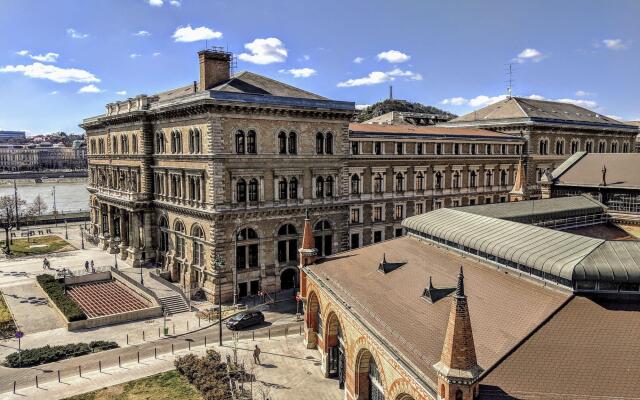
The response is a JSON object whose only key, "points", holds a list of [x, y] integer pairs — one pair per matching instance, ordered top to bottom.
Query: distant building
{"points": [[411, 118], [552, 130], [6, 136], [41, 157], [613, 179], [480, 302]]}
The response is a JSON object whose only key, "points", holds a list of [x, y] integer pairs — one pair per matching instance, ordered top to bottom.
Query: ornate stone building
{"points": [[552, 130], [228, 165]]}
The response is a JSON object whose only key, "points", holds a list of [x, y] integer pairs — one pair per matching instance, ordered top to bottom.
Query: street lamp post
{"points": [[66, 232], [81, 238], [115, 258], [219, 264], [141, 279]]}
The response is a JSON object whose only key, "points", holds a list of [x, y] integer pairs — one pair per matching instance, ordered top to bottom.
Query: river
{"points": [[70, 196]]}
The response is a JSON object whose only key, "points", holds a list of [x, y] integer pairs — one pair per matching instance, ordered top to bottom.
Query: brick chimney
{"points": [[215, 67], [458, 368]]}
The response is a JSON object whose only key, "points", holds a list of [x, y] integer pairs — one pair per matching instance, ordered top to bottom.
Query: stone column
{"points": [[124, 234]]}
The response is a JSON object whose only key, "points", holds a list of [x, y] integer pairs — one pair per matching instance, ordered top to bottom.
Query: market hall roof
{"points": [[528, 111], [431, 131], [585, 169], [539, 210], [552, 253], [504, 308]]}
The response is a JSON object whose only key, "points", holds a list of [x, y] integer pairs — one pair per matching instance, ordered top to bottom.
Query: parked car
{"points": [[245, 319]]}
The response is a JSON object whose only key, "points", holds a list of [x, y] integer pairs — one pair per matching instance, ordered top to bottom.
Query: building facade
{"points": [[552, 130], [40, 158]]}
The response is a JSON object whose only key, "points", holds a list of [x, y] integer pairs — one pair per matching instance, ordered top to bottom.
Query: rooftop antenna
{"points": [[510, 81], [390, 92]]}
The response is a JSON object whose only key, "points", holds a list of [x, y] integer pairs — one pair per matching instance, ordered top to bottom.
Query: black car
{"points": [[245, 319]]}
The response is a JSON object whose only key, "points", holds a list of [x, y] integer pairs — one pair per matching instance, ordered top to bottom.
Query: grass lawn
{"points": [[38, 245], [7, 325], [165, 386]]}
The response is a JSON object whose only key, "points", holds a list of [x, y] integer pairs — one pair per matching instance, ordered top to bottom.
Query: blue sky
{"points": [[63, 60]]}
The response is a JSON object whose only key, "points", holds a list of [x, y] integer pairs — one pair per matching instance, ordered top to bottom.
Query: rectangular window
{"points": [[355, 148], [377, 148], [399, 148], [419, 148], [438, 148], [456, 148], [473, 149], [488, 149], [503, 149], [503, 199], [487, 200], [472, 202], [455, 203], [437, 205], [419, 208], [399, 211], [377, 214], [355, 215], [399, 232], [377, 236]]}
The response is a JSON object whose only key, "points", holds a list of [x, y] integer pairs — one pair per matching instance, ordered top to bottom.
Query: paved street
{"points": [[31, 308]]}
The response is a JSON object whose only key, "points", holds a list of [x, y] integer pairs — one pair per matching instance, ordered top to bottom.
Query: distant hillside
{"points": [[383, 107]]}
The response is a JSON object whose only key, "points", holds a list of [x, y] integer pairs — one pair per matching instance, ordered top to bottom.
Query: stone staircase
{"points": [[173, 304]]}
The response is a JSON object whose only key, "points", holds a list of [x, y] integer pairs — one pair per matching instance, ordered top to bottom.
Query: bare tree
{"points": [[39, 205], [8, 207]]}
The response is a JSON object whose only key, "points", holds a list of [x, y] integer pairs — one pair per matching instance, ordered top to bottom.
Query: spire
{"points": [[519, 190], [308, 252], [460, 287], [458, 363]]}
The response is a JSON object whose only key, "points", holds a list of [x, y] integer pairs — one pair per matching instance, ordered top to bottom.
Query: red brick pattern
{"points": [[98, 299]]}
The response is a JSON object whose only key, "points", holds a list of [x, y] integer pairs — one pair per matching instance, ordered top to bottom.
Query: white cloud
{"points": [[155, 3], [175, 3], [142, 33], [188, 34], [76, 35], [614, 44], [265, 51], [156, 54], [529, 54], [134, 55], [393, 56], [49, 57], [306, 57], [358, 60], [299, 72], [52, 73], [377, 77], [373, 78], [90, 89], [54, 92], [121, 93], [582, 93], [535, 97], [455, 101], [482, 101], [362, 106], [616, 117]]}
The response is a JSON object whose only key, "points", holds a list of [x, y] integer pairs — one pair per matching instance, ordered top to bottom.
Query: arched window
{"points": [[194, 141], [176, 142], [239, 142], [251, 142], [282, 143], [293, 143], [319, 143], [114, 144], [124, 144], [134, 144], [93, 146], [160, 146], [574, 146], [588, 146], [328, 147], [543, 147], [559, 147], [602, 147], [614, 147], [625, 147], [503, 177], [488, 178], [472, 179], [456, 180], [419, 181], [400, 182], [437, 182], [329, 183], [378, 183], [355, 184], [319, 187], [293, 188], [282, 189], [253, 190], [241, 191], [178, 227], [323, 237], [247, 243], [287, 244], [163, 246], [198, 246], [376, 391], [459, 395]]}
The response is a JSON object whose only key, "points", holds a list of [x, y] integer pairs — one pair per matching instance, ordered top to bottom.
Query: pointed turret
{"points": [[519, 191], [458, 368]]}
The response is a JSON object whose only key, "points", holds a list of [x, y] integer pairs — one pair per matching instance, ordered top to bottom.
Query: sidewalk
{"points": [[288, 368]]}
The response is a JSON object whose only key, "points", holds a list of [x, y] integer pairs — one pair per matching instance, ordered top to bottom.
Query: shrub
{"points": [[65, 303], [47, 354], [209, 375]]}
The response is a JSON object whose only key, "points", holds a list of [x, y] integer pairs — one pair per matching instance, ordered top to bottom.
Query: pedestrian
{"points": [[45, 263], [86, 266], [92, 269], [256, 355]]}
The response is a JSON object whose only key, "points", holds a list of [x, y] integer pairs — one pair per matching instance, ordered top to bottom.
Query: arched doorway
{"points": [[288, 279], [313, 320], [335, 350], [368, 381]]}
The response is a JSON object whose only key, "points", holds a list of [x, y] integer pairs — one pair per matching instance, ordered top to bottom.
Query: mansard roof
{"points": [[525, 110], [585, 169]]}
